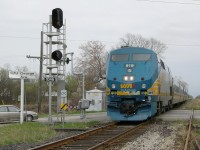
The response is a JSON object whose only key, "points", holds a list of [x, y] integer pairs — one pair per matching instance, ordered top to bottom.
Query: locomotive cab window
{"points": [[119, 57], [141, 57]]}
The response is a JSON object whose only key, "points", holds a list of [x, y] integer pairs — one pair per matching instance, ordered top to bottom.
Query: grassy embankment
{"points": [[189, 105], [32, 132]]}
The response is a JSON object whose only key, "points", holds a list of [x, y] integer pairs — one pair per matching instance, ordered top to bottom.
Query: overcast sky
{"points": [[173, 22]]}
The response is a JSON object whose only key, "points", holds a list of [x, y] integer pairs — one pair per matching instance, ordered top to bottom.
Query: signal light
{"points": [[57, 18], [56, 55], [68, 60]]}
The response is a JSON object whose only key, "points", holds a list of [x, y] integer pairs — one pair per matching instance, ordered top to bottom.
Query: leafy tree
{"points": [[5, 86], [71, 86], [10, 88], [31, 89]]}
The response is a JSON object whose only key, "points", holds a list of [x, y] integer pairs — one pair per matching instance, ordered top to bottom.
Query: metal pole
{"points": [[50, 69], [72, 70], [40, 75], [83, 85], [22, 101], [83, 110]]}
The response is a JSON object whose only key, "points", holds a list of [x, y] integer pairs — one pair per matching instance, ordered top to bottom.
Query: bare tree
{"points": [[139, 41], [157, 46], [92, 61], [22, 69], [183, 86]]}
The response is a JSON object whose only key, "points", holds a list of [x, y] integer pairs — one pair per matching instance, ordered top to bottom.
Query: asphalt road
{"points": [[172, 115], [100, 116]]}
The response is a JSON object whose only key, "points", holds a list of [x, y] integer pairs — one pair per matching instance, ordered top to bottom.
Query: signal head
{"points": [[57, 18], [56, 55]]}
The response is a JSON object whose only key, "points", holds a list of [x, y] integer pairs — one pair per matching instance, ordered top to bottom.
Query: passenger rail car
{"points": [[139, 85]]}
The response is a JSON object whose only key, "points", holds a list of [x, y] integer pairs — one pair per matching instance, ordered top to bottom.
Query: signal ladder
{"points": [[58, 43]]}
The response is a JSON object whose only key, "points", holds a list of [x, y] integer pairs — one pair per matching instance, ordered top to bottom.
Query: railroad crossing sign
{"points": [[63, 93], [63, 106]]}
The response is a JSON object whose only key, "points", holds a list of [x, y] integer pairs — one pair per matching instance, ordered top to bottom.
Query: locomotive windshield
{"points": [[119, 57], [141, 57]]}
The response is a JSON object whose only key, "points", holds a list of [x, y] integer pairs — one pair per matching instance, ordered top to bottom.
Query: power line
{"points": [[181, 3], [19, 37], [27, 37], [111, 42], [184, 45]]}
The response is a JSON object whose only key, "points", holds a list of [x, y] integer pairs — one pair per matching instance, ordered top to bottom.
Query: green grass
{"points": [[191, 104], [196, 123], [32, 132], [182, 132], [26, 133]]}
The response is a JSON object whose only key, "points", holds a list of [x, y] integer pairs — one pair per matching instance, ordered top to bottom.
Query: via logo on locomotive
{"points": [[127, 86]]}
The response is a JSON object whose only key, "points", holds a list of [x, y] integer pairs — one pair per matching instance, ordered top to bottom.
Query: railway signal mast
{"points": [[55, 55]]}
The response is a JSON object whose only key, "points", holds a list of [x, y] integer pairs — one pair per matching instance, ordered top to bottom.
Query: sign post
{"points": [[22, 76], [22, 101], [63, 105]]}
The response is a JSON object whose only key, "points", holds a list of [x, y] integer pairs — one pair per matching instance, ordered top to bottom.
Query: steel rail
{"points": [[189, 132], [118, 137], [71, 139], [197, 144]]}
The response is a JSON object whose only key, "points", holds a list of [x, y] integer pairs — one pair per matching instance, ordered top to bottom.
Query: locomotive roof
{"points": [[135, 49]]}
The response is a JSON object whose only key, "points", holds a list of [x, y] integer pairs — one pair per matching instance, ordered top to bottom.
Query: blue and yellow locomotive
{"points": [[139, 85]]}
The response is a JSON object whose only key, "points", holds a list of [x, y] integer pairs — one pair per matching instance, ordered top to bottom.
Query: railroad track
{"points": [[189, 137], [101, 138]]}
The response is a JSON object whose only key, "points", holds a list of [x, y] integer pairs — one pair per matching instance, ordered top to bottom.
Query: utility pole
{"points": [[40, 75], [39, 99]]}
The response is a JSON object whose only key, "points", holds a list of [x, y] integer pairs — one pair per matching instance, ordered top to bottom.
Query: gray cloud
{"points": [[173, 24]]}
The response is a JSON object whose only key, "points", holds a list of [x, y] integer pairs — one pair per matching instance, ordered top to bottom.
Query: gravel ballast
{"points": [[160, 136]]}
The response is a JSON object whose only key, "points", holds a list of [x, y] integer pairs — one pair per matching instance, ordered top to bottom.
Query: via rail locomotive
{"points": [[139, 85]]}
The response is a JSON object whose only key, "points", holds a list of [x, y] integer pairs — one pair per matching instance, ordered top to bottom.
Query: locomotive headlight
{"points": [[125, 78], [128, 78], [131, 78], [113, 86], [143, 86]]}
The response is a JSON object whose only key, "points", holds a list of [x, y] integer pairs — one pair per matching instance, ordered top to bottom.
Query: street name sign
{"points": [[24, 75]]}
